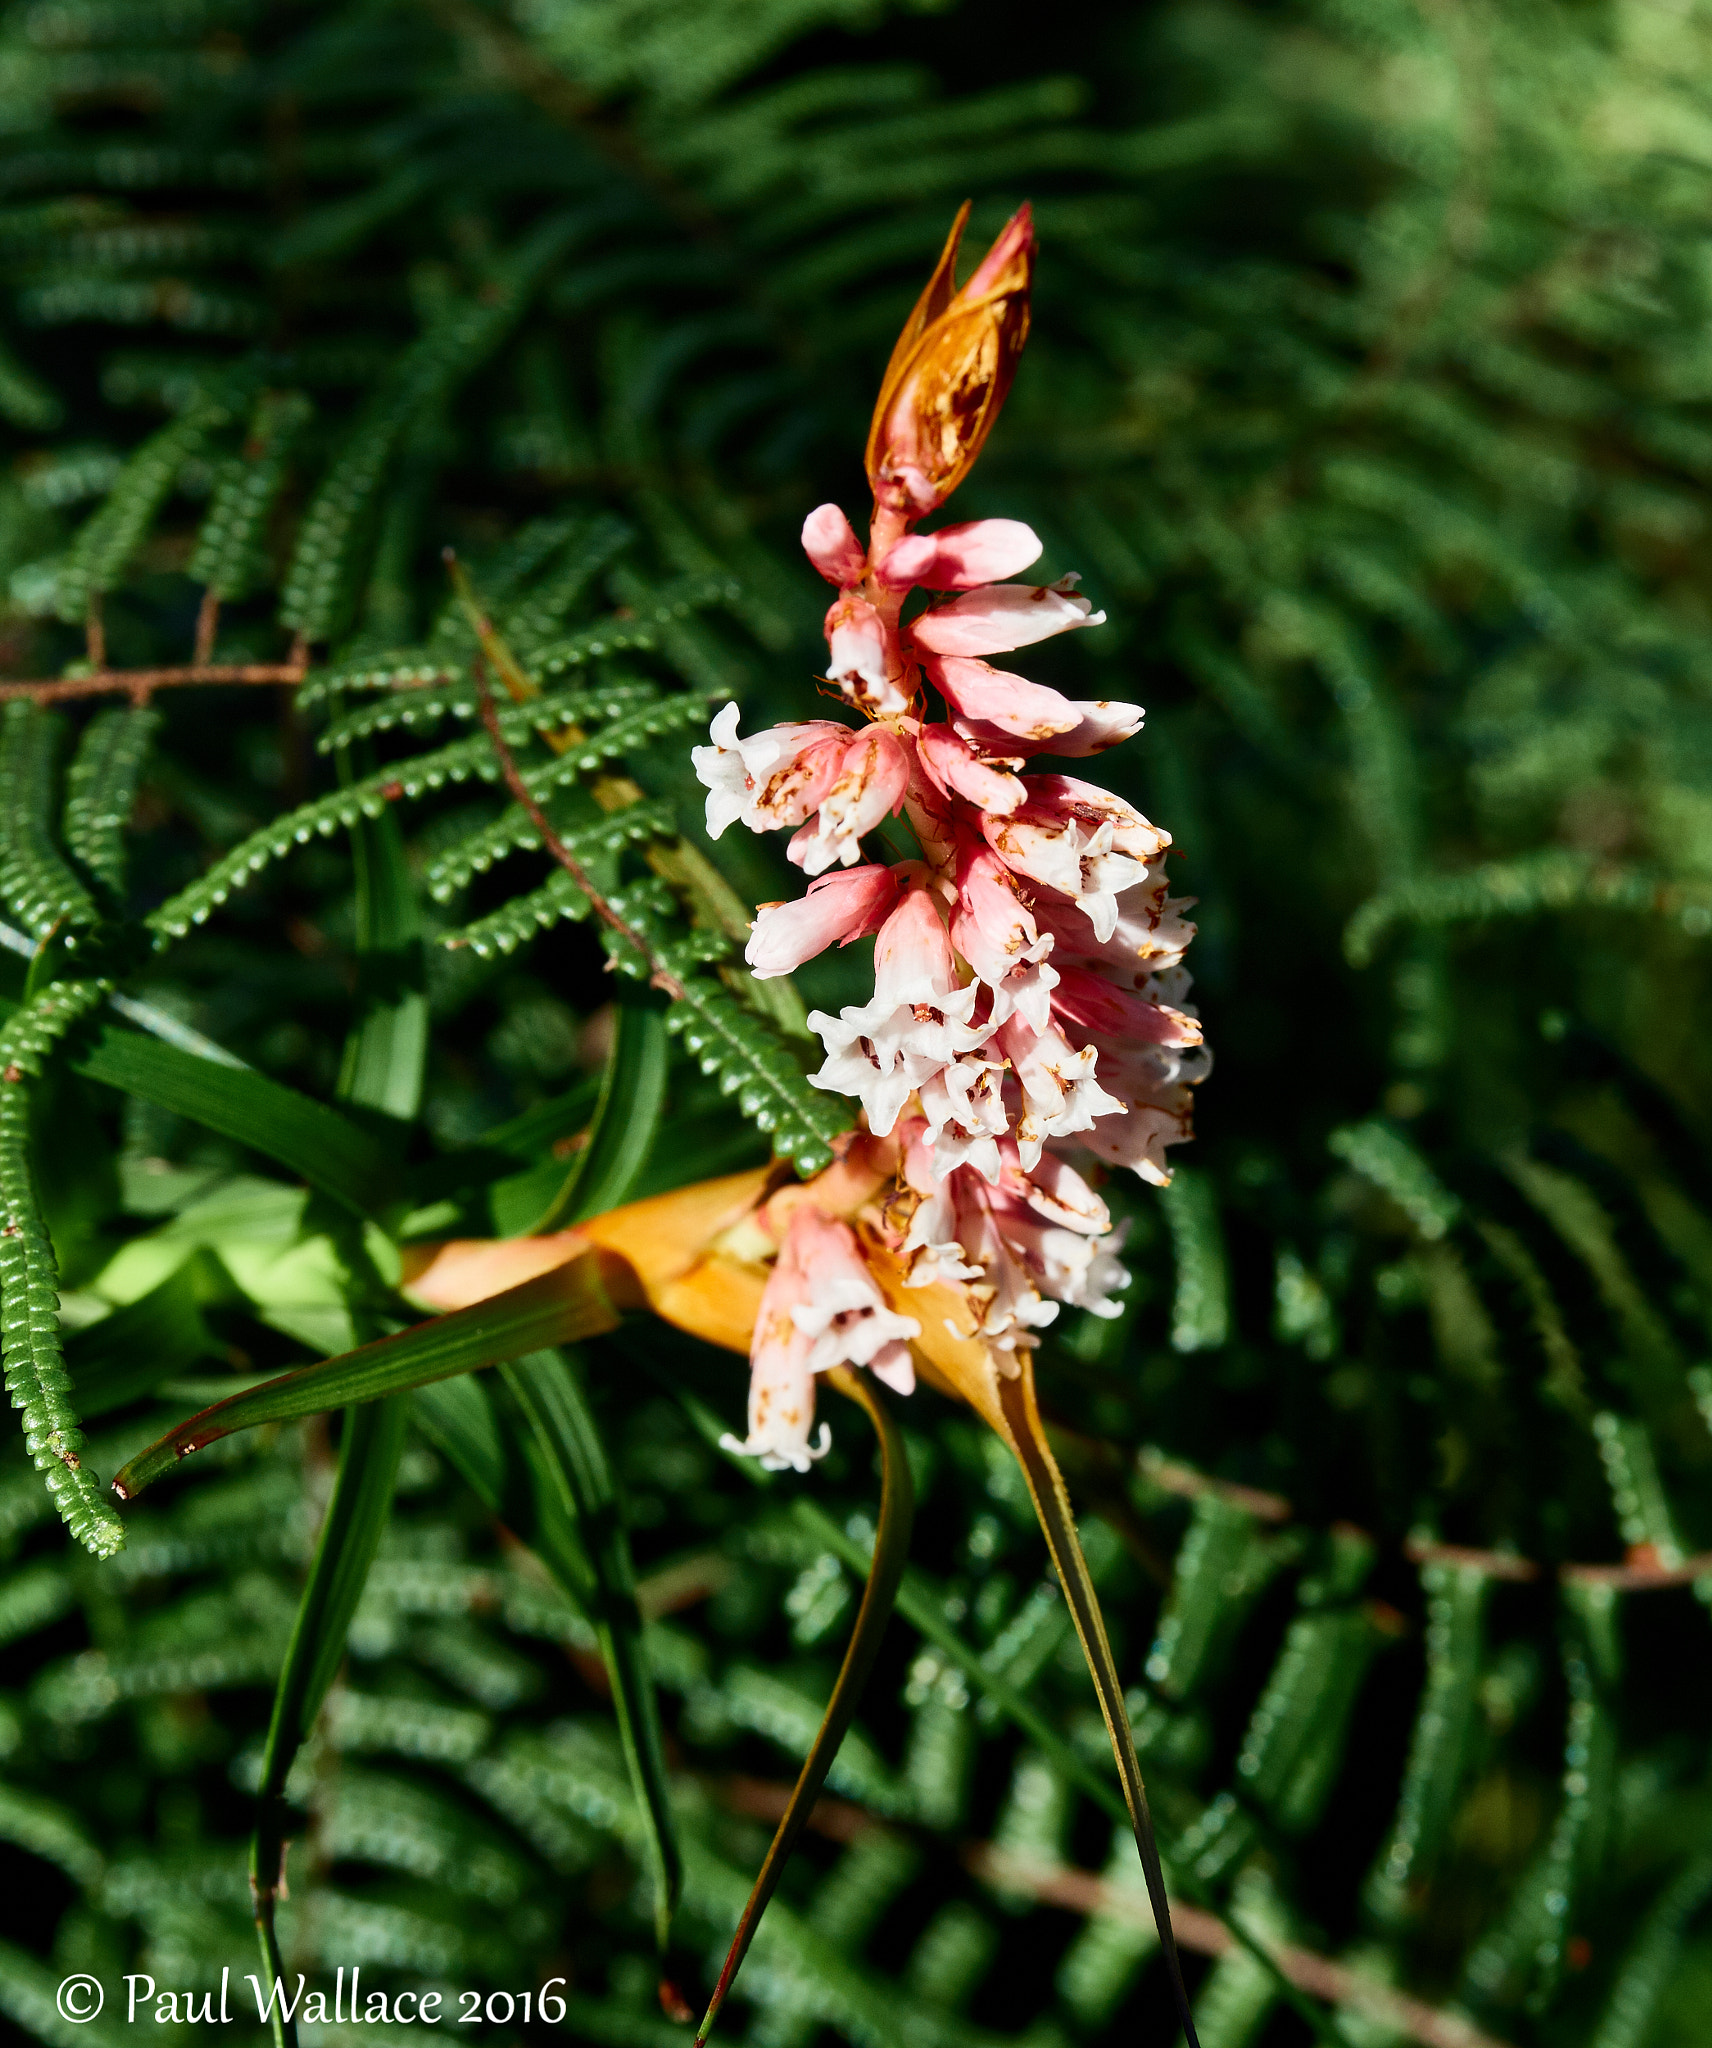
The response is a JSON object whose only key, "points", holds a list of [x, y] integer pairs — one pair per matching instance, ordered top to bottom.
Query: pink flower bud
{"points": [[831, 545], [958, 557], [1002, 616], [865, 662], [954, 767], [839, 908], [1094, 1004]]}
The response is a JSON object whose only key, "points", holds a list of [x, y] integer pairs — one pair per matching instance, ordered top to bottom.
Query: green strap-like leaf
{"points": [[387, 1050], [626, 1119], [330, 1153], [559, 1307], [574, 1485], [356, 1516], [1058, 1525], [891, 1547]]}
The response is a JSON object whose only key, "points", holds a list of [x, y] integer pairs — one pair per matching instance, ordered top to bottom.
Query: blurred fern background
{"points": [[1370, 389]]}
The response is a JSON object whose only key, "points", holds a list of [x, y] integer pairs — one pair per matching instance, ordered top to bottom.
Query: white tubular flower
{"points": [[772, 779], [1084, 842], [916, 1027], [1059, 1093]]}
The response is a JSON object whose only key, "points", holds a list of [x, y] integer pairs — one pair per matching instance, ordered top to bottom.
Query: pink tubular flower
{"points": [[831, 545], [954, 558], [1002, 618], [865, 664], [956, 770], [873, 773], [774, 778], [845, 905], [995, 932], [820, 1308], [781, 1381]]}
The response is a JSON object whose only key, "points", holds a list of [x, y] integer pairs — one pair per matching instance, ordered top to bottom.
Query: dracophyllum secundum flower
{"points": [[1028, 1006]]}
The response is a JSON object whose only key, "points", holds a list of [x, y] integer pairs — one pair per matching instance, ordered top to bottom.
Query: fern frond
{"points": [[331, 541], [591, 546], [103, 549], [231, 556], [642, 631], [421, 708], [101, 789], [320, 819], [515, 831], [1554, 880], [38, 887], [557, 901], [752, 1063], [1387, 1159], [36, 1378], [1457, 1596]]}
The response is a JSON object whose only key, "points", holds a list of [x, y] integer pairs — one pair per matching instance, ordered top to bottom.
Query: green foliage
{"points": [[1367, 390], [101, 791], [38, 888]]}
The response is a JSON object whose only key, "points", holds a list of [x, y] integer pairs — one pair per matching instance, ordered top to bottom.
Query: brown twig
{"points": [[95, 635], [138, 682], [659, 976], [1171, 1477], [1493, 1564], [1641, 1575], [1080, 1891]]}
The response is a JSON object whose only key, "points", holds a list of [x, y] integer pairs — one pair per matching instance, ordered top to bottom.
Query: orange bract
{"points": [[950, 371]]}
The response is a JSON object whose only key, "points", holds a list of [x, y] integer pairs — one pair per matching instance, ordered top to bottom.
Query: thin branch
{"points": [[95, 634], [139, 682], [659, 976], [1495, 1564], [1642, 1573], [1080, 1891]]}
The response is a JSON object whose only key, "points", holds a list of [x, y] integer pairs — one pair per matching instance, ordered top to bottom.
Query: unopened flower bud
{"points": [[950, 371]]}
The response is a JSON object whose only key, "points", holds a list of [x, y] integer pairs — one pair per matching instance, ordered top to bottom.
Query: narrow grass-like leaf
{"points": [[387, 1049], [626, 1118], [331, 1153], [557, 1307], [458, 1415], [574, 1486], [356, 1516], [1058, 1525], [891, 1547]]}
